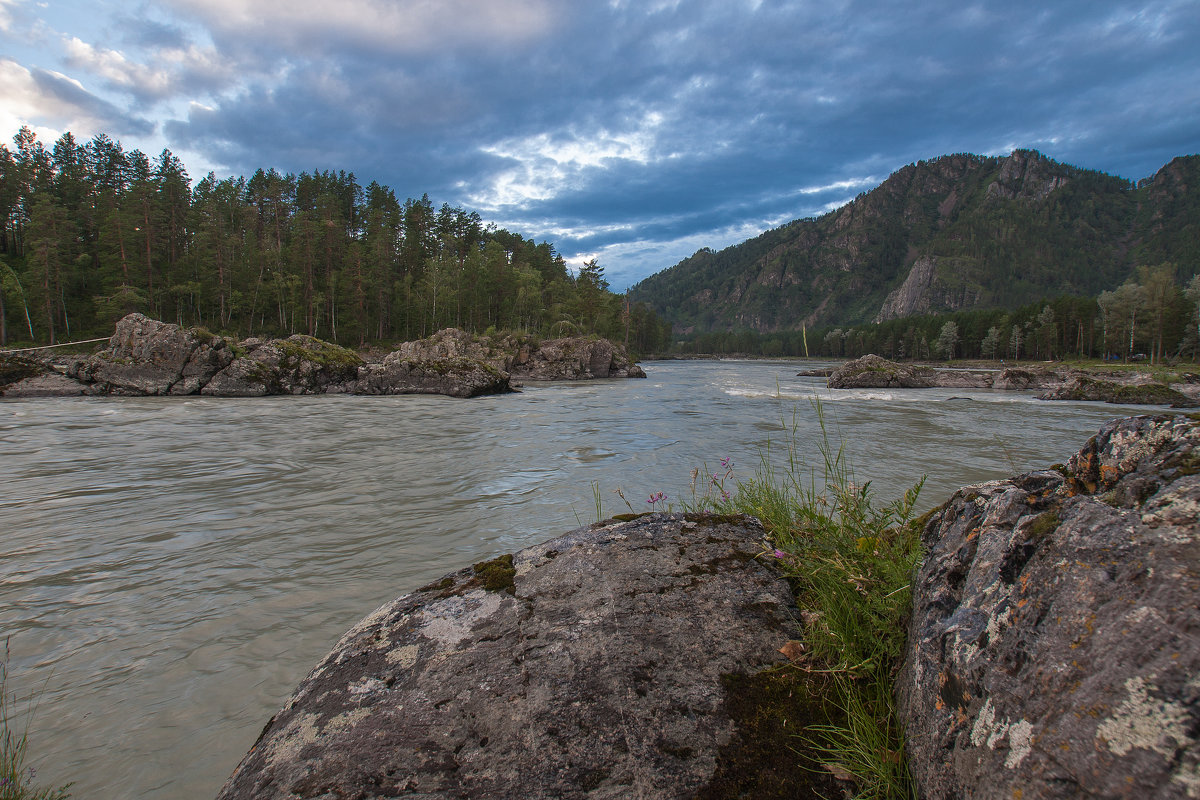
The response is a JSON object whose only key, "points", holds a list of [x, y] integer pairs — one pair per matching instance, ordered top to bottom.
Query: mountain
{"points": [[957, 232]]}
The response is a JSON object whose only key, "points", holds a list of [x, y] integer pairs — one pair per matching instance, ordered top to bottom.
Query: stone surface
{"points": [[914, 296], [148, 357], [526, 358], [574, 358], [296, 365], [874, 372], [455, 376], [22, 377], [1089, 388], [1127, 388], [1054, 648], [587, 666]]}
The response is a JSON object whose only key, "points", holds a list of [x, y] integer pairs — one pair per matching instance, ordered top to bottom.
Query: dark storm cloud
{"points": [[620, 123]]}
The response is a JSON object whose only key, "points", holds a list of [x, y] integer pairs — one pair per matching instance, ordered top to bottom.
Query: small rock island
{"points": [[148, 357], [1057, 383]]}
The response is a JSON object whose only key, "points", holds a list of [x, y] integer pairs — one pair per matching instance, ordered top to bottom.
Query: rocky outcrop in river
{"points": [[147, 357], [526, 358], [874, 372], [1053, 648], [593, 665]]}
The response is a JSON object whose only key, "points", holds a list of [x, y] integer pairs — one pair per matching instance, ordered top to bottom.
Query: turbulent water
{"points": [[171, 567]]}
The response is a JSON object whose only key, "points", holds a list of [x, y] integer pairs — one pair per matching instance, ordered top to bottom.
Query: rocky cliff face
{"points": [[1053, 647], [588, 666]]}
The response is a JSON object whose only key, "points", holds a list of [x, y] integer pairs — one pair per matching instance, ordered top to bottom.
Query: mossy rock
{"points": [[298, 348], [1156, 394], [771, 754]]}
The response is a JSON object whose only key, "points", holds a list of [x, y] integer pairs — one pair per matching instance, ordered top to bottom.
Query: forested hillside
{"points": [[89, 233], [956, 233]]}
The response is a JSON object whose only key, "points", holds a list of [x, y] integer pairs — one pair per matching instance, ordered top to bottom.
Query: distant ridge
{"points": [[957, 232]]}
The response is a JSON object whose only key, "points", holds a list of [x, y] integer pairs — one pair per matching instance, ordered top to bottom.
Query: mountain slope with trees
{"points": [[90, 233], [956, 233]]}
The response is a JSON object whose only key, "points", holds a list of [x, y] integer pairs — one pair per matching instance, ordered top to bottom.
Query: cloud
{"points": [[6, 17], [388, 26], [175, 70], [53, 102], [633, 131], [545, 164]]}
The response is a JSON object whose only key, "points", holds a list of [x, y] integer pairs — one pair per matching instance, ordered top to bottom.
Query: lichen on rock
{"points": [[1052, 648], [597, 664]]}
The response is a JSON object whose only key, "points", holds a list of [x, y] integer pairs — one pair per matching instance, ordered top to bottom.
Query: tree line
{"points": [[90, 232], [1155, 317]]}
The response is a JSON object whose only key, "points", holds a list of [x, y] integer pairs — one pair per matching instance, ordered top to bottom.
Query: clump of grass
{"points": [[850, 562], [17, 779]]}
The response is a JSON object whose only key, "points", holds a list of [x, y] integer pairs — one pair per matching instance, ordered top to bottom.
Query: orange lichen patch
{"points": [[1108, 473]]}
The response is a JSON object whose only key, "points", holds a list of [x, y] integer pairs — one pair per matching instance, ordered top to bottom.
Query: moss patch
{"points": [[297, 349], [1043, 526], [497, 575], [443, 584], [768, 756]]}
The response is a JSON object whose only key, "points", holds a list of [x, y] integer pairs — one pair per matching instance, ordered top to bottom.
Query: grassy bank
{"points": [[849, 559]]}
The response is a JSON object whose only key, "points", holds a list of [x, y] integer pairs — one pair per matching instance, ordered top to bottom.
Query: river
{"points": [[172, 567]]}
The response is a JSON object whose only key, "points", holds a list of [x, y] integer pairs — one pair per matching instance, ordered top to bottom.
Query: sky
{"points": [[634, 133]]}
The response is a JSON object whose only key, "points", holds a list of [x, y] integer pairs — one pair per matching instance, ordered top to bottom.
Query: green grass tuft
{"points": [[850, 560], [17, 779]]}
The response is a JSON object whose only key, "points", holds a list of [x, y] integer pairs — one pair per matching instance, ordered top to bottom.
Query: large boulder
{"points": [[454, 343], [148, 357], [574, 358], [298, 364], [875, 372], [455, 376], [1022, 378], [1053, 647], [593, 665]]}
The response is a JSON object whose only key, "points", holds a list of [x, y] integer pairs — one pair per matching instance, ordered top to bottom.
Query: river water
{"points": [[172, 567]]}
